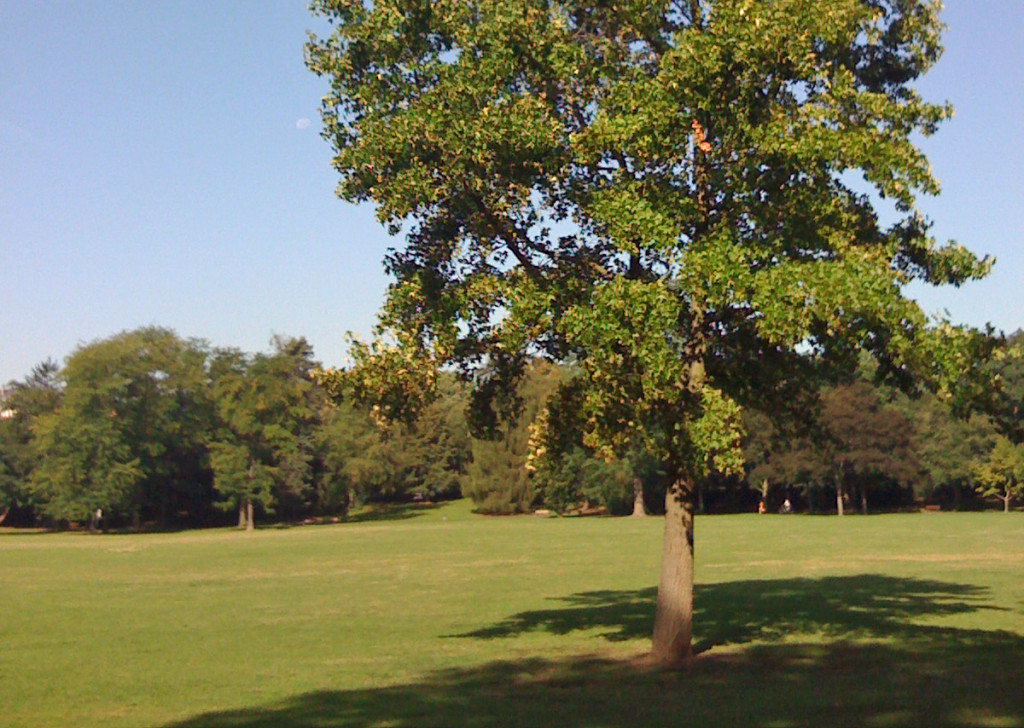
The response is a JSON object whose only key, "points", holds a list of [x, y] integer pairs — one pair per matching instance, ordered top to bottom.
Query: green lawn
{"points": [[438, 617]]}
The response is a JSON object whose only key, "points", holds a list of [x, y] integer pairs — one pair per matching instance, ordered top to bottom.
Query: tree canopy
{"points": [[132, 408], [264, 444]]}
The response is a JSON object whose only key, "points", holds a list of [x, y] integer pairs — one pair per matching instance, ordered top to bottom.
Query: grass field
{"points": [[443, 618]]}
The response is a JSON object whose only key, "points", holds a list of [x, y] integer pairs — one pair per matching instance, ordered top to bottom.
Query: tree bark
{"points": [[839, 496], [638, 499], [863, 499], [1006, 503], [3, 514], [241, 515], [249, 525], [673, 616]]}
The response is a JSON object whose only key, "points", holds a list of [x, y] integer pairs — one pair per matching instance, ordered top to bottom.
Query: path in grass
{"points": [[445, 618]]}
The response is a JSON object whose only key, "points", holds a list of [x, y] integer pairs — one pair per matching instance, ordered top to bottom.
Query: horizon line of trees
{"points": [[146, 427]]}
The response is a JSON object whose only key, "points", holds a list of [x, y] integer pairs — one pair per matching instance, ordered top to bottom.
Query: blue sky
{"points": [[160, 163]]}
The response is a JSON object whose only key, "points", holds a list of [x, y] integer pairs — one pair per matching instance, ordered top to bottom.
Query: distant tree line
{"points": [[147, 428], [867, 447]]}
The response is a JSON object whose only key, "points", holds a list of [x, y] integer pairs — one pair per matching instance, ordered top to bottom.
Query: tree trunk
{"points": [[839, 496], [638, 499], [700, 499], [863, 499], [1006, 503], [4, 513], [241, 515], [249, 524], [673, 616]]}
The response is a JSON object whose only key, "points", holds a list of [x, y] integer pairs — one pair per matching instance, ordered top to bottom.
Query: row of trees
{"points": [[146, 426], [868, 447]]}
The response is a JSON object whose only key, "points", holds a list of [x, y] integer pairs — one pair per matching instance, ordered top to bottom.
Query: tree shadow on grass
{"points": [[390, 512], [22, 531], [865, 606], [880, 667]]}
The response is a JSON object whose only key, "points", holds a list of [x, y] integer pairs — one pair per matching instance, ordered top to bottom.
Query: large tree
{"points": [[660, 191], [131, 429], [864, 439], [261, 452]]}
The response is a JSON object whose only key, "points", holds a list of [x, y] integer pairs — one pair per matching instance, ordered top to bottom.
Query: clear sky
{"points": [[160, 163]]}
